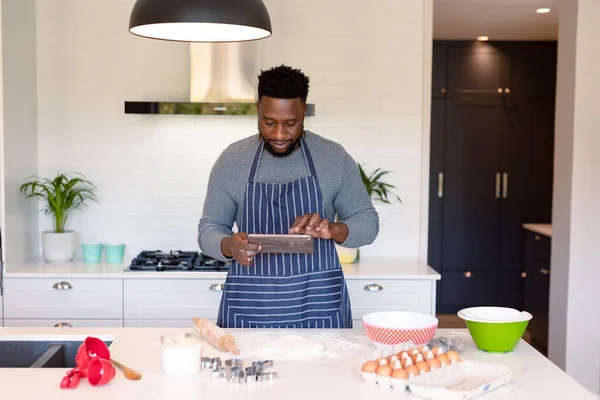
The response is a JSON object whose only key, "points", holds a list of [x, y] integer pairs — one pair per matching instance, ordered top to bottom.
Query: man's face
{"points": [[280, 124]]}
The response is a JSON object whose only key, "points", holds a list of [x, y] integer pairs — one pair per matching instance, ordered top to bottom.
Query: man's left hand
{"points": [[312, 224]]}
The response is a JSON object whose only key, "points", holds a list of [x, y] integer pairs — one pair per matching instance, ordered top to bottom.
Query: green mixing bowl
{"points": [[495, 329]]}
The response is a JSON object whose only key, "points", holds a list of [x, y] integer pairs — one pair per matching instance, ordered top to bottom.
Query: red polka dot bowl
{"points": [[389, 328]]}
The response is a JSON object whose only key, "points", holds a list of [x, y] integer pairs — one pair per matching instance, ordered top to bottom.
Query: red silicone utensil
{"points": [[91, 347], [100, 371], [71, 379]]}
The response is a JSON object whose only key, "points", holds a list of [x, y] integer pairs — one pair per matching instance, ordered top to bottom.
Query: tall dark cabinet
{"points": [[492, 135]]}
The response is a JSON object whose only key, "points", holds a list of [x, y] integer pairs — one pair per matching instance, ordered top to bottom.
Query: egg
{"points": [[423, 349], [437, 351], [429, 355], [453, 356], [417, 358], [443, 359], [406, 362], [434, 363], [369, 366], [423, 367], [384, 370], [412, 370], [400, 374]]}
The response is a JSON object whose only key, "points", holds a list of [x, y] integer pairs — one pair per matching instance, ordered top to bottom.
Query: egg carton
{"points": [[462, 381], [395, 383]]}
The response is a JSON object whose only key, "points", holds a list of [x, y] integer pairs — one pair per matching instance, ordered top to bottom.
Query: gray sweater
{"points": [[339, 179]]}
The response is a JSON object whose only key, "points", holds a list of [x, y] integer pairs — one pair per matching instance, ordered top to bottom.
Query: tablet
{"points": [[272, 243]]}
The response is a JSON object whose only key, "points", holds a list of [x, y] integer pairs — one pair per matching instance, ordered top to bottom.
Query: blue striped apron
{"points": [[285, 290]]}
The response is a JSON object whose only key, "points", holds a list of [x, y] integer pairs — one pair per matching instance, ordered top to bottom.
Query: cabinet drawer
{"points": [[539, 246], [461, 289], [408, 295], [63, 298], [154, 299], [76, 323], [160, 323]]}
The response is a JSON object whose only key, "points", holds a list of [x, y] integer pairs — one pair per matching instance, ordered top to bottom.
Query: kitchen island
{"points": [[331, 374]]}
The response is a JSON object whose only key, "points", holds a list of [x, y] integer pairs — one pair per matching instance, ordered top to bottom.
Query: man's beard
{"points": [[293, 146]]}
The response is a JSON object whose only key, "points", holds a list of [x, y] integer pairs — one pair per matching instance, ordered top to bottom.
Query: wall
{"points": [[366, 66], [19, 136], [574, 307]]}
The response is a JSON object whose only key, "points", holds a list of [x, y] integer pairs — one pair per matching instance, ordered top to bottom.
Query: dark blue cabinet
{"points": [[492, 135], [537, 288]]}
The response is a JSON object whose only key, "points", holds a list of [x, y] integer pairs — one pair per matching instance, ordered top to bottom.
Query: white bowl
{"points": [[493, 315], [389, 328]]}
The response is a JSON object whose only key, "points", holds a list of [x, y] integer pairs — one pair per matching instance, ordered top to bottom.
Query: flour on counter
{"points": [[290, 345], [334, 345]]}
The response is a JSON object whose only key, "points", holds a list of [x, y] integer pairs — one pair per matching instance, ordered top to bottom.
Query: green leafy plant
{"points": [[375, 187], [62, 195]]}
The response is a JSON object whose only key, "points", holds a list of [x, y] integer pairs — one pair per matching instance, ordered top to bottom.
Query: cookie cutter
{"points": [[234, 363], [233, 370], [266, 376]]}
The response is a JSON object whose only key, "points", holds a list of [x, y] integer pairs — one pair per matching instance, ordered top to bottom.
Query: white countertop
{"points": [[542, 229], [366, 268], [332, 374]]}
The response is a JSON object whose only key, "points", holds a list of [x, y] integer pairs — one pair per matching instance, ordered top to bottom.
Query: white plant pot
{"points": [[59, 246], [347, 255]]}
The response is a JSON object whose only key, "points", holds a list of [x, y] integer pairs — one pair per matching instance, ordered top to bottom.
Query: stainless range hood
{"points": [[222, 82]]}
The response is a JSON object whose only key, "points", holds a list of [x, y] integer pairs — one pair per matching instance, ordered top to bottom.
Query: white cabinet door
{"points": [[368, 296], [45, 298], [172, 299], [76, 323]]}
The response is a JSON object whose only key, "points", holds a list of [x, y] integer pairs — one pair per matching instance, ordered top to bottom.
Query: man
{"points": [[285, 180]]}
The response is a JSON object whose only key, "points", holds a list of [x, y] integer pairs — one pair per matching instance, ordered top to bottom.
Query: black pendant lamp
{"points": [[201, 20]]}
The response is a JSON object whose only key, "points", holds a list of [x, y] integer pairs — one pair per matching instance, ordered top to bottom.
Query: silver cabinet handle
{"points": [[499, 90], [507, 90], [441, 185], [497, 185], [505, 185], [537, 237], [544, 271], [469, 274], [523, 275], [62, 286], [217, 287], [373, 287], [63, 325]]}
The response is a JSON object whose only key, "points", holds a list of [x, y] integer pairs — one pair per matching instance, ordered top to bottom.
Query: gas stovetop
{"points": [[175, 260]]}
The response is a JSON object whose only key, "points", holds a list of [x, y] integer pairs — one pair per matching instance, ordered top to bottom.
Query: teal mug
{"points": [[92, 252], [115, 253]]}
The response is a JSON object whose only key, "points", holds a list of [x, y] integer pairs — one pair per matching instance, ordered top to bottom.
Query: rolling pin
{"points": [[216, 336]]}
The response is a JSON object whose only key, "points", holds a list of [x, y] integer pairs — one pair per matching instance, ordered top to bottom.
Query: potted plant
{"points": [[379, 191], [61, 195]]}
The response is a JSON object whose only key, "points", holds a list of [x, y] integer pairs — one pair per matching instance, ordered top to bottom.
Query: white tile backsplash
{"points": [[365, 66]]}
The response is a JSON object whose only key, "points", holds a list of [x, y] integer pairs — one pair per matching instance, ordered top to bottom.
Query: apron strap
{"points": [[308, 158], [256, 161], [310, 165]]}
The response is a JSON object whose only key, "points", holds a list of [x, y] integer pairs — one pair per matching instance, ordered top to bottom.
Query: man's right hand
{"points": [[238, 247]]}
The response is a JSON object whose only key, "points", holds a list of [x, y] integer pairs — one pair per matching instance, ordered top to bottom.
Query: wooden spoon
{"points": [[130, 374]]}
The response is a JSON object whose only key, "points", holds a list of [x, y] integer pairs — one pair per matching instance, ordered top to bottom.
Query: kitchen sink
{"points": [[40, 353]]}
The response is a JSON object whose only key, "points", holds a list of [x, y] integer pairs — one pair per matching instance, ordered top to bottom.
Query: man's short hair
{"points": [[283, 82]]}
